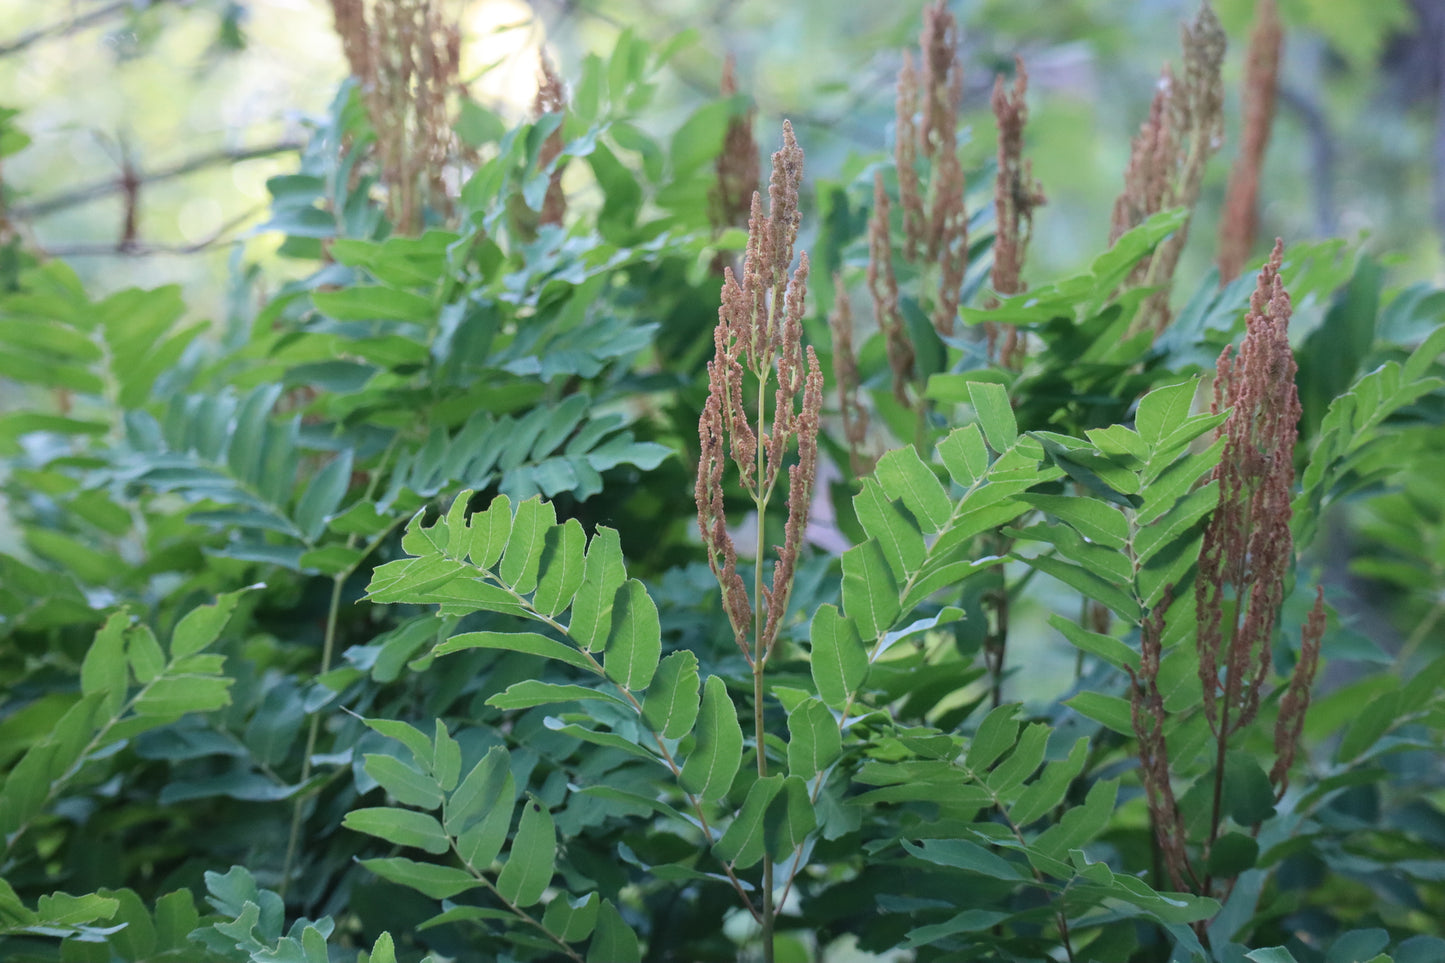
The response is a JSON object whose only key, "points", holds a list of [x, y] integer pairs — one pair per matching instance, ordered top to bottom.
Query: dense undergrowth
{"points": [[490, 594]]}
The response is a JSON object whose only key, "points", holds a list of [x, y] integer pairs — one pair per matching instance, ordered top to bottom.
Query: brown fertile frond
{"points": [[407, 58], [943, 82], [551, 98], [905, 158], [1151, 159], [737, 165], [1166, 166], [1016, 195], [935, 220], [1240, 220], [949, 239], [883, 286], [759, 333], [845, 375], [801, 478], [1248, 548], [722, 555], [1296, 701], [1147, 716]]}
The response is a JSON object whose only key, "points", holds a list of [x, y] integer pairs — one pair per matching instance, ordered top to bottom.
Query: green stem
{"points": [[1422, 631], [760, 654], [297, 810], [516, 910]]}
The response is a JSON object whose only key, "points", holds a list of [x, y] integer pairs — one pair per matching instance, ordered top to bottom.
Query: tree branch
{"points": [[69, 25], [1321, 156], [113, 185], [133, 247]]}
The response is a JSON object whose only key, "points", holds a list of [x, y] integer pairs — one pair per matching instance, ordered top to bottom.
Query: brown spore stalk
{"points": [[407, 57], [1240, 220], [758, 339]]}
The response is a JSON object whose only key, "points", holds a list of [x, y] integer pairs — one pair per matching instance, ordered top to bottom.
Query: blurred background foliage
{"points": [[197, 103]]}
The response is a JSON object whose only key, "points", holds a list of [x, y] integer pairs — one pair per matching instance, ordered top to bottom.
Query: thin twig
{"points": [[68, 26], [113, 185], [133, 248]]}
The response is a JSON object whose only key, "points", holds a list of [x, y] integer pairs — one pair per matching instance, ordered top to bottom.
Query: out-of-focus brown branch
{"points": [[63, 28], [1322, 153], [118, 184], [1240, 220], [133, 247]]}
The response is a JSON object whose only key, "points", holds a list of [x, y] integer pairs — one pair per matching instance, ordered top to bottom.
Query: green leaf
{"points": [[699, 139], [373, 303], [1164, 409], [995, 414], [964, 455], [904, 475], [323, 496], [885, 521], [1175, 521], [1098, 522], [489, 531], [523, 557], [561, 570], [603, 575], [1089, 584], [870, 593], [202, 626], [635, 642], [529, 643], [1106, 647], [839, 662], [104, 668], [530, 692], [175, 695], [671, 706], [1109, 711], [1372, 721], [406, 734], [995, 736], [597, 737], [813, 739], [446, 759], [1021, 763], [709, 769], [405, 783], [489, 790], [1048, 791], [1248, 793], [790, 818], [1080, 824], [401, 826], [742, 844], [962, 854], [1232, 854], [532, 858], [429, 879], [62, 909], [571, 919], [969, 921], [614, 941], [1355, 946], [382, 951], [1271, 954]]}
